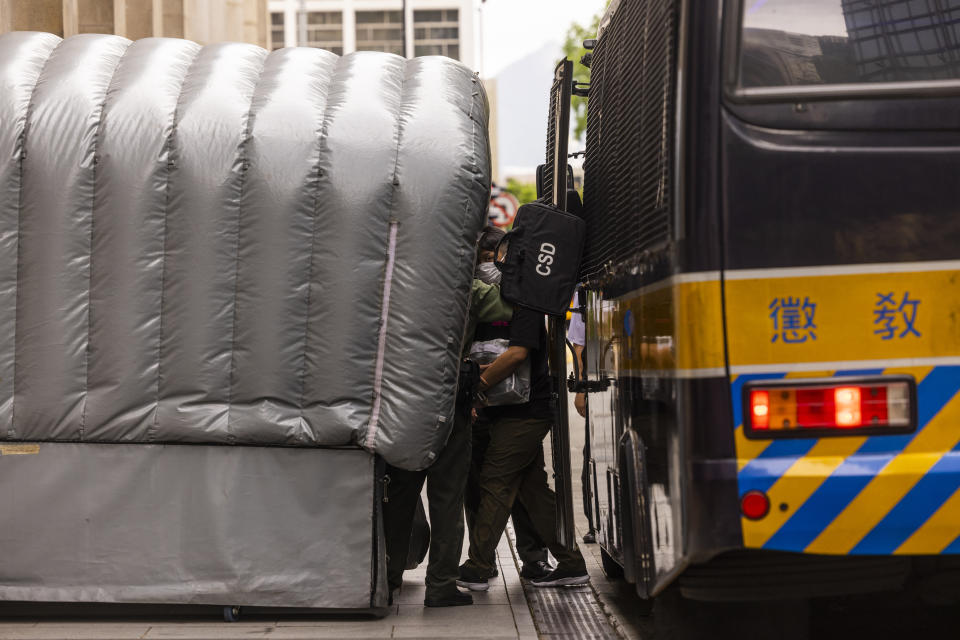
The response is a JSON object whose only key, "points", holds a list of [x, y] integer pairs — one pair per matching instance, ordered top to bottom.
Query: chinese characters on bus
{"points": [[794, 319], [895, 319]]}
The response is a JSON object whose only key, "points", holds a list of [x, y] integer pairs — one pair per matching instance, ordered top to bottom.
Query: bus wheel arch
{"points": [[635, 524]]}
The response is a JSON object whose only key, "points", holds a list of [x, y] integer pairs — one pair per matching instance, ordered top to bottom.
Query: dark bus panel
{"points": [[773, 279]]}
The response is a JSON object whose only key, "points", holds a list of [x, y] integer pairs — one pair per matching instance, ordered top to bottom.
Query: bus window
{"points": [[828, 42]]}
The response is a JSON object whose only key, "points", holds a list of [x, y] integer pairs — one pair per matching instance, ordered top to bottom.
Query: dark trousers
{"points": [[513, 469], [585, 474], [446, 479], [530, 547]]}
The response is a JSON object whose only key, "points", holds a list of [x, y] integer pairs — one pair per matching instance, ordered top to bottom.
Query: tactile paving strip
{"points": [[566, 612]]}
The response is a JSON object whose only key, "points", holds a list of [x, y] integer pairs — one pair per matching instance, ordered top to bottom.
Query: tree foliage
{"points": [[573, 49], [525, 192]]}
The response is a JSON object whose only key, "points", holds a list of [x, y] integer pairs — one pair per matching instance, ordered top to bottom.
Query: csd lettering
{"points": [[547, 252]]}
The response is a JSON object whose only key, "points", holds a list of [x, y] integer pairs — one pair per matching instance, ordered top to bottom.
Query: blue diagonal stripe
{"points": [[936, 390], [761, 472], [849, 479], [933, 489], [828, 501], [914, 509], [953, 547]]}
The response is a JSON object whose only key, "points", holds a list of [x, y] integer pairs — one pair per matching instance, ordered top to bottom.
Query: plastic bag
{"points": [[515, 388]]}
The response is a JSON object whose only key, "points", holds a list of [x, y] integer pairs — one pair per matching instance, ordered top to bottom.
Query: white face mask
{"points": [[488, 272]]}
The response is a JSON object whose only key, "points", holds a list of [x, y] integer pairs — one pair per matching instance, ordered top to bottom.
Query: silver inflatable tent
{"points": [[208, 247]]}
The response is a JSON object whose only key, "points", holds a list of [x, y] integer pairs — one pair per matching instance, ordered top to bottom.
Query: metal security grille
{"points": [[558, 134], [628, 168], [547, 189]]}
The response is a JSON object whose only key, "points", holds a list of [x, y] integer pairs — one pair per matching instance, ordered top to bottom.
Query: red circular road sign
{"points": [[503, 208]]}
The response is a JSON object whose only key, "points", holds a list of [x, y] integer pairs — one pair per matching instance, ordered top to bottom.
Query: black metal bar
{"points": [[403, 27], [560, 434]]}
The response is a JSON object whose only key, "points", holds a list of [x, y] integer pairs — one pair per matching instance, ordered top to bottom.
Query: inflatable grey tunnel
{"points": [[231, 281]]}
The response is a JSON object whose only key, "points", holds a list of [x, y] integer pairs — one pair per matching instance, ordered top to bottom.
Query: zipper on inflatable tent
{"points": [[382, 339]]}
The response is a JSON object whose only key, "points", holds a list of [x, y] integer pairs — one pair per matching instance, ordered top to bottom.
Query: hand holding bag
{"points": [[515, 388]]}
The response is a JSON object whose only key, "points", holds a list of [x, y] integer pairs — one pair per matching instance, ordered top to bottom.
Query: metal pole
{"points": [[403, 17], [302, 24], [480, 62], [560, 434]]}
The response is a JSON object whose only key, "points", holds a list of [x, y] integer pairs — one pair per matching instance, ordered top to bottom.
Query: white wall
{"points": [[468, 20]]}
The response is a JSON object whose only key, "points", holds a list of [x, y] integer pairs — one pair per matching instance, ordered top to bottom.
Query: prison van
{"points": [[772, 274]]}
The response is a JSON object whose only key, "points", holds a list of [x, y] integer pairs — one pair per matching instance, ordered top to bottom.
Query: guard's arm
{"points": [[486, 304], [505, 364], [580, 400]]}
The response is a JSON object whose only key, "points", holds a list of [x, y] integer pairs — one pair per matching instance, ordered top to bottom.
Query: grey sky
{"points": [[513, 29]]}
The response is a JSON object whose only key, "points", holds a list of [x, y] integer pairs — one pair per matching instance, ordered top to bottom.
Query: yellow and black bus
{"points": [[772, 269]]}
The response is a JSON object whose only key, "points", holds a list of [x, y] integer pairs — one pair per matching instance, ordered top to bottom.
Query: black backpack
{"points": [[540, 258]]}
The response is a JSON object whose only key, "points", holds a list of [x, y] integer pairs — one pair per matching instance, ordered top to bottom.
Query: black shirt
{"points": [[525, 329]]}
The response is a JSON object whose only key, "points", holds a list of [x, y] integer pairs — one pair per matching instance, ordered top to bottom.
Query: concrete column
{"points": [[34, 15], [88, 16], [469, 16], [71, 17], [120, 17], [133, 18], [168, 18], [6, 20], [196, 20], [256, 23], [290, 24], [229, 26], [349, 27], [408, 31], [490, 85]]}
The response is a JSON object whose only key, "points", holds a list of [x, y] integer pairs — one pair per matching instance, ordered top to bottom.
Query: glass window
{"points": [[325, 30], [380, 31], [277, 33], [437, 33], [817, 42]]}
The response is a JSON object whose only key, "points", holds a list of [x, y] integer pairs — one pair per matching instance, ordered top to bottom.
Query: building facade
{"points": [[203, 21], [432, 27]]}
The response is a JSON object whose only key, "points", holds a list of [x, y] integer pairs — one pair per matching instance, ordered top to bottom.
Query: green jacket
{"points": [[486, 305]]}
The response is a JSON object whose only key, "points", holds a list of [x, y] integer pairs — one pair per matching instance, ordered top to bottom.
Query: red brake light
{"points": [[847, 400], [802, 406], [760, 409], [754, 505]]}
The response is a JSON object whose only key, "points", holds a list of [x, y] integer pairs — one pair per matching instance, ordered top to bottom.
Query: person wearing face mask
{"points": [[512, 470], [445, 479], [530, 548]]}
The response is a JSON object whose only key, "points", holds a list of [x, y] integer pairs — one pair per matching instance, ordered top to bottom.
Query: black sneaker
{"points": [[537, 569], [561, 578], [472, 579], [454, 598]]}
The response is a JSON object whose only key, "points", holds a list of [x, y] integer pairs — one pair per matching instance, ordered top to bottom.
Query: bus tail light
{"points": [[835, 406], [754, 505]]}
